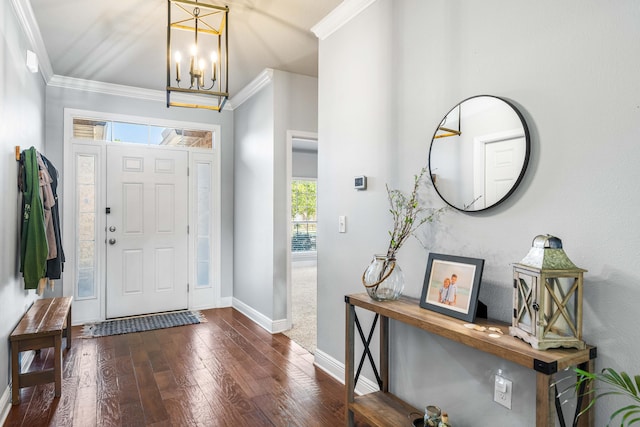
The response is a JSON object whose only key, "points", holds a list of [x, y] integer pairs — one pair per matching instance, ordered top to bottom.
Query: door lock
{"points": [[112, 229]]}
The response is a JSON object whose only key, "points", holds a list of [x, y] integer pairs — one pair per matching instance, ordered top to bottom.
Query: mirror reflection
{"points": [[479, 153]]}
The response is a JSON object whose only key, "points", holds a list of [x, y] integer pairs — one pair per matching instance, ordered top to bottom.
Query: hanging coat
{"points": [[48, 202], [33, 240], [55, 265]]}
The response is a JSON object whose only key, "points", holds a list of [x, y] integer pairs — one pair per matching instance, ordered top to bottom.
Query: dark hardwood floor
{"points": [[227, 371]]}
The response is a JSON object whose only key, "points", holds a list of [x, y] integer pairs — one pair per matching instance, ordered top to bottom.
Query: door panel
{"points": [[502, 167], [147, 238]]}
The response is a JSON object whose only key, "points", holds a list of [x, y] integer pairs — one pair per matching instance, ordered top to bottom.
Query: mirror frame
{"points": [[525, 162]]}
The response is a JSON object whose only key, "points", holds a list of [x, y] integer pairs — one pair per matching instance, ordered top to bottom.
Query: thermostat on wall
{"points": [[360, 182]]}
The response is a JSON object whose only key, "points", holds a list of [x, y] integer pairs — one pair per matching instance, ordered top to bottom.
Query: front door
{"points": [[146, 230]]}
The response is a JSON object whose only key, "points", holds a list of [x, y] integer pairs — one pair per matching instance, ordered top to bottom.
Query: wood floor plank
{"points": [[227, 371], [128, 392], [86, 408], [154, 410], [108, 412], [63, 414], [132, 414]]}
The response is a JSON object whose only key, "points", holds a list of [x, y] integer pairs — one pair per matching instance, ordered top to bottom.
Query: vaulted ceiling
{"points": [[124, 41]]}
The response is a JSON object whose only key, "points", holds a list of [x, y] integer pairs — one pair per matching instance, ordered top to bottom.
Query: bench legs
{"points": [[57, 363], [27, 379]]}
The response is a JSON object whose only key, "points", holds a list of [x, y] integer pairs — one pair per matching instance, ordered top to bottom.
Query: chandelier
{"points": [[201, 30]]}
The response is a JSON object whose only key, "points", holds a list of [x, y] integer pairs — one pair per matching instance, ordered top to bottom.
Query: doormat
{"points": [[142, 323]]}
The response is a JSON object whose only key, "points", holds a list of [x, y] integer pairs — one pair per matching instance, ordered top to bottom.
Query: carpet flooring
{"points": [[305, 305]]}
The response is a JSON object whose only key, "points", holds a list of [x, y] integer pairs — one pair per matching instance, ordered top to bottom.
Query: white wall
{"points": [[573, 75], [59, 98], [287, 102], [21, 123], [304, 164]]}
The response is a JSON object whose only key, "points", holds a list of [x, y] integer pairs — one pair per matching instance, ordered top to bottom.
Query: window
{"points": [[136, 133], [86, 205], [303, 215]]}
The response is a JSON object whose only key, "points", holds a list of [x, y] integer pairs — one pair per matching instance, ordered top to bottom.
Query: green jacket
{"points": [[33, 243]]}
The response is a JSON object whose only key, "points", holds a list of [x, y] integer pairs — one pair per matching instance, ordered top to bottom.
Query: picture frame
{"points": [[459, 301]]}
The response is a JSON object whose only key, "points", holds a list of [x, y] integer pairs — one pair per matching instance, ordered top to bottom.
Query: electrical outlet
{"points": [[502, 391]]}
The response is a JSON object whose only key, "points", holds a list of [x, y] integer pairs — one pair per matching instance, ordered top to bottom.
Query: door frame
{"points": [[291, 135], [479, 149], [198, 298]]}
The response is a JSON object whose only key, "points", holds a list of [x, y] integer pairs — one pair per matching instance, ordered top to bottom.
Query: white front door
{"points": [[146, 230]]}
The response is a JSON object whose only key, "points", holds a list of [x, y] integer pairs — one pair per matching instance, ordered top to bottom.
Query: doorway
{"points": [[142, 215], [302, 290]]}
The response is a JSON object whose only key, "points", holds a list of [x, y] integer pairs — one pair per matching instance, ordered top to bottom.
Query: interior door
{"points": [[503, 162], [146, 230]]}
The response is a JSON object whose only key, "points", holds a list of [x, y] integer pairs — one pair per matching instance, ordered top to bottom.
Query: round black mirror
{"points": [[479, 153]]}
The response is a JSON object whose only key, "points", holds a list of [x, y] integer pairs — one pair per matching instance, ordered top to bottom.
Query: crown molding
{"points": [[345, 12], [28, 22], [263, 79], [106, 88], [122, 90]]}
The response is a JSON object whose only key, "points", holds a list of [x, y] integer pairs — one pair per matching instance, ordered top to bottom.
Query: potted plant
{"points": [[383, 279], [613, 383]]}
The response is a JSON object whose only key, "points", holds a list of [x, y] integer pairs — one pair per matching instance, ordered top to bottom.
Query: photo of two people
{"points": [[451, 285], [449, 288]]}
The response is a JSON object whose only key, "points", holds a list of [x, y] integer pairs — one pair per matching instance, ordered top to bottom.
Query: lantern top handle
{"points": [[546, 241]]}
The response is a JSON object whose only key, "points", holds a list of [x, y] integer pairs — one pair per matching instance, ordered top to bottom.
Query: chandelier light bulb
{"points": [[214, 58], [178, 59]]}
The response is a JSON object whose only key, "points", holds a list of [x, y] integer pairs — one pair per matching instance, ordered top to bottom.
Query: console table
{"points": [[384, 409]]}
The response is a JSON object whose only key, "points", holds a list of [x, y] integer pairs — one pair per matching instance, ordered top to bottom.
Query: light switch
{"points": [[342, 224]]}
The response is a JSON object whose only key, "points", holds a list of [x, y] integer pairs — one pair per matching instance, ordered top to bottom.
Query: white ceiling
{"points": [[124, 41]]}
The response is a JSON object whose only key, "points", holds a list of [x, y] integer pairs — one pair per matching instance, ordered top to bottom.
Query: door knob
{"points": [[112, 229], [112, 241]]}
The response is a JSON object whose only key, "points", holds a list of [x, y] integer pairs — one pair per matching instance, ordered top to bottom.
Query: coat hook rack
{"points": [[18, 153]]}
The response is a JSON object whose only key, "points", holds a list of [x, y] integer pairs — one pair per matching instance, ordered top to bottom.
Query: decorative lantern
{"points": [[547, 297]]}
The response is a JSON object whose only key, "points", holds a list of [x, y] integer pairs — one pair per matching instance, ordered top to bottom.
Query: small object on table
{"points": [[432, 416], [444, 422]]}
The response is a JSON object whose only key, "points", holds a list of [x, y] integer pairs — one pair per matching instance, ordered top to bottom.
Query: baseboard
{"points": [[272, 326], [279, 326], [336, 369], [5, 399], [5, 404]]}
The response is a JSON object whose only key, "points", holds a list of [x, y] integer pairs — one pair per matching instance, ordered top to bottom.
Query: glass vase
{"points": [[383, 279]]}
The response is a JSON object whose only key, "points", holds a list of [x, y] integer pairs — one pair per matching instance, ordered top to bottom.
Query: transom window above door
{"points": [[137, 133]]}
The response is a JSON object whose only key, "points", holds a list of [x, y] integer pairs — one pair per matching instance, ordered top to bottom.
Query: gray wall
{"points": [[573, 74], [60, 98], [288, 102], [21, 123], [254, 194]]}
